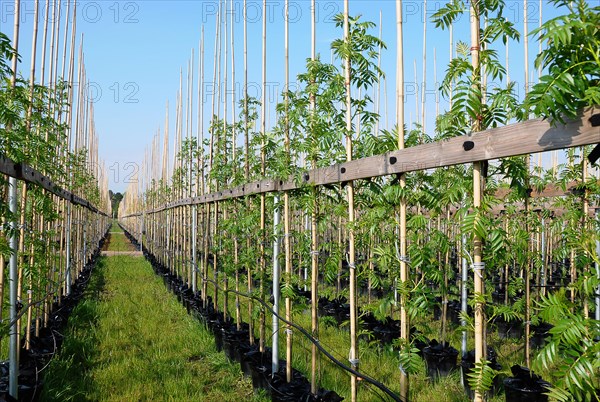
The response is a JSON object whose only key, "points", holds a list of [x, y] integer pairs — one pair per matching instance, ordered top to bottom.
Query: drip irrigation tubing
{"points": [[304, 332]]}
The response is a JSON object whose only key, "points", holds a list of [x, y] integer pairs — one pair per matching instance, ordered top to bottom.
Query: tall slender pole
{"points": [[451, 32], [52, 34], [424, 82], [233, 99], [28, 128], [263, 130], [246, 139], [199, 159], [247, 164], [286, 201], [543, 236], [68, 250], [314, 254], [478, 265], [276, 274], [404, 274], [464, 294], [526, 349], [13, 356], [353, 358]]}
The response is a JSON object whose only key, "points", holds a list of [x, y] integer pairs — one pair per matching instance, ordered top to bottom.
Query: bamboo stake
{"points": [[540, 6], [225, 22], [52, 34], [65, 41], [43, 58], [451, 58], [54, 69], [423, 89], [416, 92], [437, 92], [377, 95], [28, 124], [233, 126], [263, 130], [246, 139], [199, 159], [247, 167], [216, 182], [286, 202], [189, 210], [207, 223], [314, 239], [478, 265], [204, 267], [404, 274], [238, 312], [526, 349], [13, 352], [353, 357]]}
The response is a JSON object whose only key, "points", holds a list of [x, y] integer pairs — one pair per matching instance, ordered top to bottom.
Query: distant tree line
{"points": [[115, 201]]}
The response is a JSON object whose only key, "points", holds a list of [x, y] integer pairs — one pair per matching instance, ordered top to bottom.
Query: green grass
{"points": [[117, 241], [129, 340], [380, 363]]}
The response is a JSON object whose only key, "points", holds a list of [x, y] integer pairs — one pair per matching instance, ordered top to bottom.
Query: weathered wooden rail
{"points": [[528, 137], [26, 173]]}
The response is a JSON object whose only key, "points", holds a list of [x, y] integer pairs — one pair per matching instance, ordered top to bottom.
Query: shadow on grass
{"points": [[66, 377]]}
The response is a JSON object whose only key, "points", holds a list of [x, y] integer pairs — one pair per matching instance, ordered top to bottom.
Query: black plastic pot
{"points": [[498, 297], [215, 325], [509, 329], [386, 333], [539, 334], [233, 341], [254, 358], [249, 359], [440, 359], [468, 363], [260, 377], [525, 386], [296, 390], [324, 395]]}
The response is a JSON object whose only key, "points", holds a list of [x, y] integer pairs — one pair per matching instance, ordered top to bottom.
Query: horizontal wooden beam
{"points": [[527, 137], [23, 172]]}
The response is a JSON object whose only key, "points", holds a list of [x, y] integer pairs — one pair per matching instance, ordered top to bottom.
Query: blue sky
{"points": [[134, 51]]}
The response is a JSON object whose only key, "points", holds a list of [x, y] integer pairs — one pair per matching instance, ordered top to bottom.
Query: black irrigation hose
{"points": [[316, 343]]}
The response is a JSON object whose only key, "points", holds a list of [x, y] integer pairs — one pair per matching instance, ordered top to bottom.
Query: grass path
{"points": [[129, 340]]}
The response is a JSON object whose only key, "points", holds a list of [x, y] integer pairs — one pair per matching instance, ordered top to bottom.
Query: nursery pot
{"points": [[509, 329], [386, 333], [539, 334], [232, 340], [254, 358], [440, 359], [467, 364], [260, 377], [525, 386], [298, 389], [324, 395]]}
